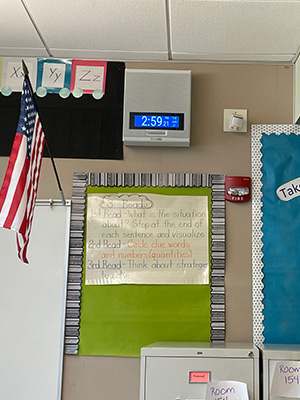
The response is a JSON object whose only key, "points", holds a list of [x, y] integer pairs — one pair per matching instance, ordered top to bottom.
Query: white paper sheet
{"points": [[147, 239], [286, 379], [227, 390]]}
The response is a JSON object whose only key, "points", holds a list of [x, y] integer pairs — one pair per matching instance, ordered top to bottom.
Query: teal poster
{"points": [[276, 225]]}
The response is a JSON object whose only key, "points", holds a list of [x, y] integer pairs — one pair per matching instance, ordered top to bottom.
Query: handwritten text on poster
{"points": [[147, 239]]}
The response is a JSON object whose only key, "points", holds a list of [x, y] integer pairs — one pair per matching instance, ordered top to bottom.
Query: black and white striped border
{"points": [[80, 183]]}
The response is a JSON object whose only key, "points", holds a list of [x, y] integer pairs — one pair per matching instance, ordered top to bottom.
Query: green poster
{"points": [[119, 319]]}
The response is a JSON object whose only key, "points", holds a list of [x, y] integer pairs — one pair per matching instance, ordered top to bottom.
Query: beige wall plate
{"points": [[227, 116]]}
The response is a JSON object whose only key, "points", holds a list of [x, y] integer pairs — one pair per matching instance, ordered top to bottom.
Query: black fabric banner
{"points": [[74, 127]]}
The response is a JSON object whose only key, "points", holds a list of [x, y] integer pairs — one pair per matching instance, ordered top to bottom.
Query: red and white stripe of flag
{"points": [[19, 189]]}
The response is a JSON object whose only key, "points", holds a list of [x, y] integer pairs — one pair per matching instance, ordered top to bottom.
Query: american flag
{"points": [[20, 184]]}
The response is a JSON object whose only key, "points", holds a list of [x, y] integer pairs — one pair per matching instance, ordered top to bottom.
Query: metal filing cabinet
{"points": [[271, 354], [181, 371]]}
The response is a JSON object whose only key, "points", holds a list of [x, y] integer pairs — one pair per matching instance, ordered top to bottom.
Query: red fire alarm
{"points": [[237, 188]]}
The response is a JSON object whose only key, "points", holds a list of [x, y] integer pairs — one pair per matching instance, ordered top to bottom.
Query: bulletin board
{"points": [[276, 233], [117, 320]]}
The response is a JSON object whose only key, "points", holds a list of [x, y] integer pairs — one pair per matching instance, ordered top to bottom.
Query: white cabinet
{"points": [[271, 354], [180, 371]]}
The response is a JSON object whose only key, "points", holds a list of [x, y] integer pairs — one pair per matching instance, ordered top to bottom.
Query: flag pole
{"points": [[25, 70]]}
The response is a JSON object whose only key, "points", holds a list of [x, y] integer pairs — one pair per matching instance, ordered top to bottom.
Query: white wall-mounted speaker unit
{"points": [[157, 108]]}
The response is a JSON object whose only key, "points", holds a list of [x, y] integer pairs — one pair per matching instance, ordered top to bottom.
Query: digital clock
{"points": [[163, 121]]}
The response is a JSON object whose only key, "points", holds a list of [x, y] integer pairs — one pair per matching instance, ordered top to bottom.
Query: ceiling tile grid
{"points": [[156, 30]]}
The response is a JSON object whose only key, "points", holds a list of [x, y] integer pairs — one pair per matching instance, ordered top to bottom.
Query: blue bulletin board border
{"points": [[82, 181], [275, 234]]}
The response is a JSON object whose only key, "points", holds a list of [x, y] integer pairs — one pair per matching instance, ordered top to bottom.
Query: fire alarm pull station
{"points": [[237, 188]]}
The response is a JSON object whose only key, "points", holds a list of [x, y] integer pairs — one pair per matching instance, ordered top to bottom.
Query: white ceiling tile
{"points": [[115, 25], [235, 27], [17, 34], [22, 52], [110, 55], [226, 57]]}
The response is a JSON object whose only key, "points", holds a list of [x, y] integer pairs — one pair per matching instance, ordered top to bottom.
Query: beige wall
{"points": [[266, 92]]}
